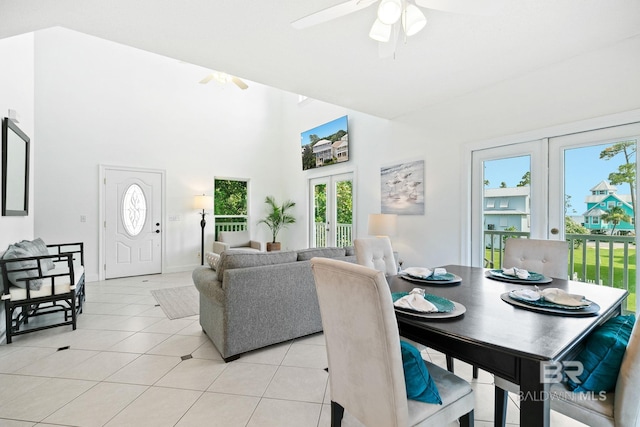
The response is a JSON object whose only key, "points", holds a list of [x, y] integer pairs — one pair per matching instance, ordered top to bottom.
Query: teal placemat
{"points": [[533, 277]]}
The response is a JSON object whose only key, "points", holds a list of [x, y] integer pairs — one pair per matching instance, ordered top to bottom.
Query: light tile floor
{"points": [[124, 367]]}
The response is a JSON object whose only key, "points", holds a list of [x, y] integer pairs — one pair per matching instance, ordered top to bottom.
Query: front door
{"points": [[132, 227]]}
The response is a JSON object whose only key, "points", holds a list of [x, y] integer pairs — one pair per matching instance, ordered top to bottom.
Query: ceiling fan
{"points": [[390, 12], [224, 78]]}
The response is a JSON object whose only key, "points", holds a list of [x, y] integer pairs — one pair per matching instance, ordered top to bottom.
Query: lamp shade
{"points": [[389, 11], [413, 20], [380, 32], [203, 202], [382, 224]]}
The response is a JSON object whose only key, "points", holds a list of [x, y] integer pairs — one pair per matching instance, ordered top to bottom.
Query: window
{"points": [[491, 203], [504, 203], [230, 205], [134, 210]]}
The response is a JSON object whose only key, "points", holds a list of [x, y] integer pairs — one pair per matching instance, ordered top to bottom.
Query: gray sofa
{"points": [[252, 300]]}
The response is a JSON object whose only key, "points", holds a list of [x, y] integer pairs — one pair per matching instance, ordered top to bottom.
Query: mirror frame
{"points": [[10, 128]]}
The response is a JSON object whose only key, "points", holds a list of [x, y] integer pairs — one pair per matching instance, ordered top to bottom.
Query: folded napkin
{"points": [[439, 271], [419, 272], [519, 272], [425, 273], [558, 296], [415, 301]]}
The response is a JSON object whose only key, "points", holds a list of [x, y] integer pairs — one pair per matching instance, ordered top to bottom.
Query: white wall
{"points": [[16, 93], [99, 102]]}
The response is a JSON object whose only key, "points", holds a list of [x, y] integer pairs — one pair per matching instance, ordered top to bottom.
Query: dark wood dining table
{"points": [[503, 339]]}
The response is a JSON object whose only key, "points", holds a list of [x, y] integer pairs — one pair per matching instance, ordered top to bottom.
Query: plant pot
{"points": [[273, 246]]}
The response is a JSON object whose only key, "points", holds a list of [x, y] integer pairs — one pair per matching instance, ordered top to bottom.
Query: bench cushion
{"points": [[62, 281]]}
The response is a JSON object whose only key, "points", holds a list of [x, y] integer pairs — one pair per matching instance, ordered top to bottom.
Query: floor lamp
{"points": [[205, 203]]}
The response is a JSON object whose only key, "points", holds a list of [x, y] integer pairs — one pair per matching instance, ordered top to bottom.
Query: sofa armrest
{"points": [[256, 245], [219, 247]]}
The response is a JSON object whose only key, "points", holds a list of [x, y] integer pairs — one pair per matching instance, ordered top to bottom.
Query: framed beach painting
{"points": [[325, 145], [402, 188]]}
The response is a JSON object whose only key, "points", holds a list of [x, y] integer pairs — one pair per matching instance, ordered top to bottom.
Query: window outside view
{"points": [[599, 210]]}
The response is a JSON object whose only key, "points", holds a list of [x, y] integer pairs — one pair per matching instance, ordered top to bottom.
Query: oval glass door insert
{"points": [[134, 210]]}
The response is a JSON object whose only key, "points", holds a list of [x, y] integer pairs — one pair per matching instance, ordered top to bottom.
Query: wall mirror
{"points": [[15, 170]]}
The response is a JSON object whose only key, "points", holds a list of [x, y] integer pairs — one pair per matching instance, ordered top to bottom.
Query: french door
{"points": [[580, 187], [331, 211]]}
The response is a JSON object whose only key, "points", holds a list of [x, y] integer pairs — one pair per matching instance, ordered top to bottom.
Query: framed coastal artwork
{"points": [[325, 145], [402, 188]]}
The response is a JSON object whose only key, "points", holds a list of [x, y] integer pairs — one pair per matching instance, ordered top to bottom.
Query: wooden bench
{"points": [[32, 288]]}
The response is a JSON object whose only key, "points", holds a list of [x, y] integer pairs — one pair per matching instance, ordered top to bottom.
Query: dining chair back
{"points": [[376, 253], [547, 257], [363, 350]]}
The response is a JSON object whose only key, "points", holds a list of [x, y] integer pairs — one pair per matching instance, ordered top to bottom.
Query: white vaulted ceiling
{"points": [[455, 55]]}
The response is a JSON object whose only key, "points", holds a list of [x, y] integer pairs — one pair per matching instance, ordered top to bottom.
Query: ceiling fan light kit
{"points": [[389, 11], [413, 20], [385, 29], [380, 32]]}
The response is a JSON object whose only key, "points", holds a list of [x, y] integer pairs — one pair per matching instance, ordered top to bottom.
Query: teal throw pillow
{"points": [[602, 355], [420, 386]]}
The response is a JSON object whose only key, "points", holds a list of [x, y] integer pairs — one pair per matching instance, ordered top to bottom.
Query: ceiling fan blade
{"points": [[471, 7], [330, 13], [207, 79], [242, 85]]}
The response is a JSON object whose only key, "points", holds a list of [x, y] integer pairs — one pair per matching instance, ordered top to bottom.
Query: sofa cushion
{"points": [[37, 247], [14, 252], [307, 254], [241, 259]]}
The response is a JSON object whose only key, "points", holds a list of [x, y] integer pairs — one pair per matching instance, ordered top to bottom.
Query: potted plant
{"points": [[278, 217]]}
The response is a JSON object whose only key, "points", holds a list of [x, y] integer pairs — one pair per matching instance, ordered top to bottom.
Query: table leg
{"points": [[535, 405]]}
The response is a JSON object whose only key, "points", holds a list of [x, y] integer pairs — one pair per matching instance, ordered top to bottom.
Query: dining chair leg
{"points": [[449, 363], [475, 372], [500, 407], [337, 412], [467, 420]]}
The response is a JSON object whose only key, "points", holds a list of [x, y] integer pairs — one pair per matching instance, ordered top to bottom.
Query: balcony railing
{"points": [[230, 226], [344, 235], [593, 258]]}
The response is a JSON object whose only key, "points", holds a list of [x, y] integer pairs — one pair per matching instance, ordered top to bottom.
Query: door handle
{"points": [[554, 231]]}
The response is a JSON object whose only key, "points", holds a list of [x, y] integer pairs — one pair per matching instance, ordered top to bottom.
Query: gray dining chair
{"points": [[376, 253], [547, 257], [366, 374], [619, 408]]}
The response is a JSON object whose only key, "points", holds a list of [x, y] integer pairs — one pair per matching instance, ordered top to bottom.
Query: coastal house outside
{"points": [[603, 197]]}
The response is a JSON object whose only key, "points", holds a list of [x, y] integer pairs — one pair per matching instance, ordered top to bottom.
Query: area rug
{"points": [[178, 302]]}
